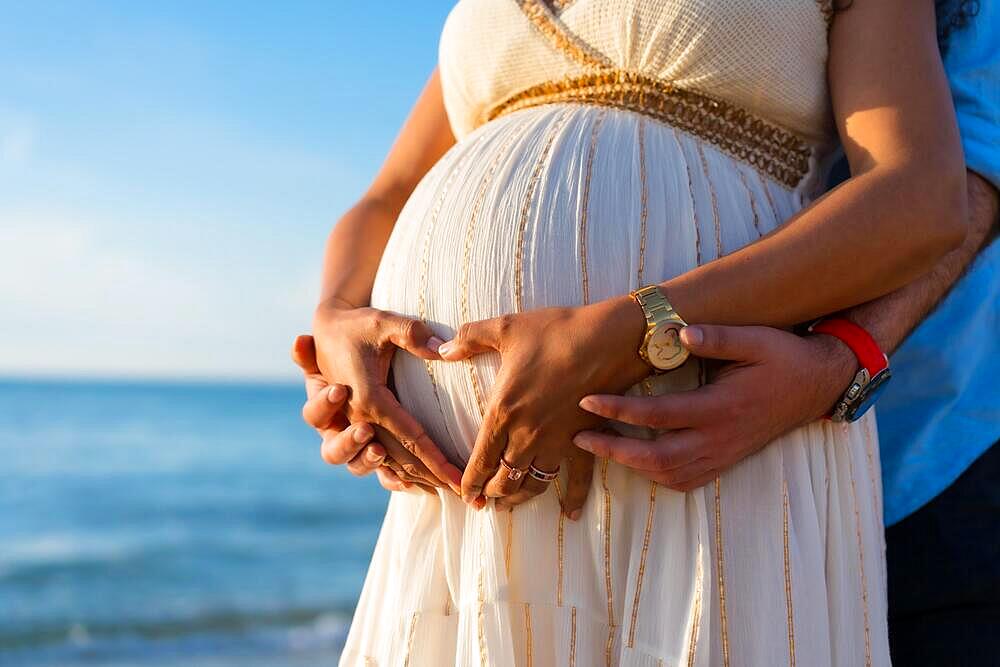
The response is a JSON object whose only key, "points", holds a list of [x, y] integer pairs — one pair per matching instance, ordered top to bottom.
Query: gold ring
{"points": [[513, 473]]}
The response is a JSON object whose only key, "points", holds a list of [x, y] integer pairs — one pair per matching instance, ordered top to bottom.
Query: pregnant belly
{"points": [[556, 205]]}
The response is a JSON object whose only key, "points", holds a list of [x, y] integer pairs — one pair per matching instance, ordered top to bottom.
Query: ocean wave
{"points": [[295, 629]]}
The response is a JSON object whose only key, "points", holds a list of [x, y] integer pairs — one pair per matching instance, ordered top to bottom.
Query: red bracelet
{"points": [[874, 366]]}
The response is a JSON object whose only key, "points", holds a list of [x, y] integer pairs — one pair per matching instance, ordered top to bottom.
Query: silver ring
{"points": [[513, 473], [541, 475]]}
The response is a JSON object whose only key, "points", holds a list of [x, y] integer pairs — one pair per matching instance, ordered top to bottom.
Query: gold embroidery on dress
{"points": [[559, 6], [549, 26], [734, 130], [773, 150], [529, 195], [644, 201], [715, 202], [753, 202], [477, 206], [585, 206], [694, 207], [425, 270], [650, 513], [560, 532], [510, 542], [861, 557], [607, 561], [720, 562], [699, 575], [788, 576], [481, 594], [527, 633], [409, 637], [572, 638]]}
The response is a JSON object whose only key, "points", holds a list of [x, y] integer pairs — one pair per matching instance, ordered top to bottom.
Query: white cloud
{"points": [[74, 300]]}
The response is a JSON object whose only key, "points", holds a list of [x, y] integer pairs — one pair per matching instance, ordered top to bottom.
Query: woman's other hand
{"points": [[551, 358], [355, 442]]}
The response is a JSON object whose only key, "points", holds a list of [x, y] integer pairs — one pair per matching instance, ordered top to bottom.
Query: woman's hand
{"points": [[354, 348], [551, 358], [350, 445]]}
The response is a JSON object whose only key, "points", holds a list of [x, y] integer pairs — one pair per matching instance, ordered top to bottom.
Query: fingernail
{"points": [[692, 335], [434, 343], [446, 348], [336, 393], [587, 403], [362, 433], [581, 441], [373, 457], [575, 515]]}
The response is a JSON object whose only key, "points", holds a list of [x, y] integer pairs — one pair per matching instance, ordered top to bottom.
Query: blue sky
{"points": [[169, 171]]}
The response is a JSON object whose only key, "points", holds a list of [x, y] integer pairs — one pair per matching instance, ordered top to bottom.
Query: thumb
{"points": [[414, 336], [472, 339], [712, 341], [304, 354]]}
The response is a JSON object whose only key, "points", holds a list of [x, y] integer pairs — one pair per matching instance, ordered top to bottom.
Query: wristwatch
{"points": [[661, 346], [869, 381]]}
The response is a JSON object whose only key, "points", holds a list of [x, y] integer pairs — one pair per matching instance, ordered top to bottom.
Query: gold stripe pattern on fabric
{"points": [[549, 26], [769, 148], [529, 195], [715, 201], [753, 202], [644, 203], [477, 206], [585, 206], [694, 208], [425, 266], [650, 513], [877, 517], [510, 542], [560, 545], [861, 557], [607, 561], [720, 564], [699, 574], [788, 575], [481, 593], [527, 634], [409, 637], [572, 638], [370, 661]]}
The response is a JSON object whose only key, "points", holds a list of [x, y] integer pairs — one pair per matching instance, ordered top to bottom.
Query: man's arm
{"points": [[891, 318], [748, 403]]}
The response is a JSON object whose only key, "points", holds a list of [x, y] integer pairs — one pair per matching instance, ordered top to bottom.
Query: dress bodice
{"points": [[767, 57]]}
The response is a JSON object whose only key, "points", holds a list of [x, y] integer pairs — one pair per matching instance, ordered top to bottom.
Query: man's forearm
{"points": [[891, 318]]}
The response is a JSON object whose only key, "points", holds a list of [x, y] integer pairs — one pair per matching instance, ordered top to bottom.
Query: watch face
{"points": [[665, 350], [870, 394]]}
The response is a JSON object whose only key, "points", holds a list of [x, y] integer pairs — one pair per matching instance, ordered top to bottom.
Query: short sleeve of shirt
{"points": [[972, 64]]}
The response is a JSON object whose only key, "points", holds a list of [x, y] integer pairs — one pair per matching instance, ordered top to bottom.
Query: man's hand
{"points": [[773, 382]]}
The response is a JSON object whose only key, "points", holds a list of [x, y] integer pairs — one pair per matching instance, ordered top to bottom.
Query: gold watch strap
{"points": [[655, 306]]}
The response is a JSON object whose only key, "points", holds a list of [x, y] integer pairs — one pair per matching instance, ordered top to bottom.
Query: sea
{"points": [[168, 523]]}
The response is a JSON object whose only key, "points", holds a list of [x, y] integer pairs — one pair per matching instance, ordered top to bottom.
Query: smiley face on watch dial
{"points": [[665, 350]]}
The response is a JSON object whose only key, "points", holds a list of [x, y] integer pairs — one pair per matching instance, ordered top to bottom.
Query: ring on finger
{"points": [[513, 473], [543, 476]]}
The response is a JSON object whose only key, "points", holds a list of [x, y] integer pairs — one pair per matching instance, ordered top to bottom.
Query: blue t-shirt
{"points": [[941, 410]]}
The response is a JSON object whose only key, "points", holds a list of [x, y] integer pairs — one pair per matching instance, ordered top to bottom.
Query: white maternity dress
{"points": [[604, 145]]}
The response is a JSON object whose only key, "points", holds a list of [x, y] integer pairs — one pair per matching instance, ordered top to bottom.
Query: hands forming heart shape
{"points": [[550, 359]]}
